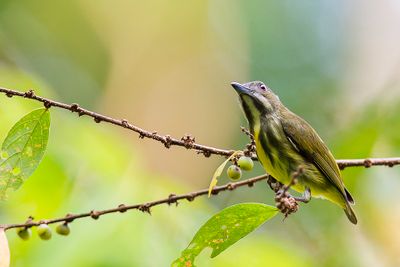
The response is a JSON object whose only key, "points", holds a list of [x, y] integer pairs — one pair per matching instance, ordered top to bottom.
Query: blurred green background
{"points": [[166, 66]]}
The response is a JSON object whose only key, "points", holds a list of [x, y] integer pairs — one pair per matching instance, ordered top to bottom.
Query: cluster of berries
{"points": [[243, 163], [43, 231]]}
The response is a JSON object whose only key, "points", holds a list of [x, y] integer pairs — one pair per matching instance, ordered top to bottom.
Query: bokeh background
{"points": [[166, 66]]}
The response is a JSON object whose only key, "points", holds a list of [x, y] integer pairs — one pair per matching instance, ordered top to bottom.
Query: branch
{"points": [[186, 141], [390, 162], [144, 207]]}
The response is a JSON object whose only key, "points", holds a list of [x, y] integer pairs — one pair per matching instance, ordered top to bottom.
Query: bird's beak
{"points": [[240, 89]]}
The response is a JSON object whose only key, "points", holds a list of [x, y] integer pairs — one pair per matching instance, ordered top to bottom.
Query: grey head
{"points": [[256, 99]]}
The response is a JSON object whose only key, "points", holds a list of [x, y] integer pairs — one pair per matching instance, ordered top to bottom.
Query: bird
{"points": [[285, 143]]}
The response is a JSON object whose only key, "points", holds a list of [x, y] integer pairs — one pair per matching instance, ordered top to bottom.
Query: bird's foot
{"points": [[274, 184], [306, 197], [284, 201]]}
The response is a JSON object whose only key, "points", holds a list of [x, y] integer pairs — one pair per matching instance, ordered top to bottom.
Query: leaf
{"points": [[23, 149], [219, 171], [224, 229], [4, 249]]}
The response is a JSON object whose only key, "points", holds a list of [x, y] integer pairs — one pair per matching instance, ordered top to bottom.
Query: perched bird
{"points": [[285, 142]]}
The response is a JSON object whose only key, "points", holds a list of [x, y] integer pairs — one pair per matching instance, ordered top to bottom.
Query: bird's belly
{"points": [[274, 156], [283, 160], [275, 165]]}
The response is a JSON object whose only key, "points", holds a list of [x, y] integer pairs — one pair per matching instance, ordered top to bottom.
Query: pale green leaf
{"points": [[23, 149], [224, 229]]}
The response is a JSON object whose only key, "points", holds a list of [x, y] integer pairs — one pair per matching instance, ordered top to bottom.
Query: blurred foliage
{"points": [[55, 40], [166, 66]]}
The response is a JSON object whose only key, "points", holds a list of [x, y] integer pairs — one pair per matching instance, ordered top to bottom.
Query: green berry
{"points": [[245, 163], [234, 172], [63, 229], [44, 231], [24, 233]]}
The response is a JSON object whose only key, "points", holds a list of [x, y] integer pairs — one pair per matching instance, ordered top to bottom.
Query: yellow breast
{"points": [[277, 170]]}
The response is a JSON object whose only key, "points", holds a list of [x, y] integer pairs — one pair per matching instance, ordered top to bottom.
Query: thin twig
{"points": [[168, 141], [186, 141], [390, 162], [144, 207]]}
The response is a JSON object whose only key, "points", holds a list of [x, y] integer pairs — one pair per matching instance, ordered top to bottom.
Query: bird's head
{"points": [[256, 99]]}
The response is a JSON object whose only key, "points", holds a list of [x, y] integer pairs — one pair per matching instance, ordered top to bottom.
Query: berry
{"points": [[245, 163], [234, 172], [63, 229], [44, 231], [24, 233]]}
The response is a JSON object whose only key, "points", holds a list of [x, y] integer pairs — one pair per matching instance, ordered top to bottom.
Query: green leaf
{"points": [[23, 149], [224, 229]]}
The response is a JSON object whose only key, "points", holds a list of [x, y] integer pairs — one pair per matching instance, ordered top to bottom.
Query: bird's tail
{"points": [[350, 213]]}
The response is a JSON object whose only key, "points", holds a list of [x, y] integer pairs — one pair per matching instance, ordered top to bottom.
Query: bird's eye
{"points": [[262, 86]]}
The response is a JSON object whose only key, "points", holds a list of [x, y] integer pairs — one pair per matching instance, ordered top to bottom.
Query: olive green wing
{"points": [[306, 140]]}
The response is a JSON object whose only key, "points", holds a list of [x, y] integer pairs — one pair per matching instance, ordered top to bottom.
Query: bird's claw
{"points": [[306, 197]]}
